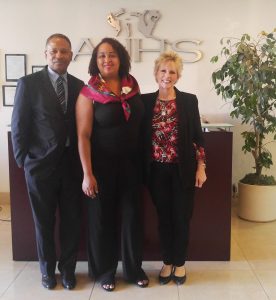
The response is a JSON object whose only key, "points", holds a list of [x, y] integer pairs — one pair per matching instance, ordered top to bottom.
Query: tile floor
{"points": [[251, 273]]}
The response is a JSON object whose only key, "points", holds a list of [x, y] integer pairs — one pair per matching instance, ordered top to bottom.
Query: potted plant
{"points": [[247, 79]]}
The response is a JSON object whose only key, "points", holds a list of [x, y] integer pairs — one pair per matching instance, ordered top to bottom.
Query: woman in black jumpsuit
{"points": [[109, 115]]}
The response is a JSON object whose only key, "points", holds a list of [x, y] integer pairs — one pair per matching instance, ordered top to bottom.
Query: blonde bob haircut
{"points": [[169, 56]]}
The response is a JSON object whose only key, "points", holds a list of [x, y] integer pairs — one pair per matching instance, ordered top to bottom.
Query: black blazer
{"points": [[39, 129], [189, 132]]}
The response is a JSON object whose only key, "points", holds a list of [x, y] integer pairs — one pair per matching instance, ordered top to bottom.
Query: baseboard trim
{"points": [[4, 198]]}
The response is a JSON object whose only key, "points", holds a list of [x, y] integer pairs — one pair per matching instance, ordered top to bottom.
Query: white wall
{"points": [[25, 25]]}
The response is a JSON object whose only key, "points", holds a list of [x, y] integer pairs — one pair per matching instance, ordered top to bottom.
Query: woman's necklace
{"points": [[162, 104]]}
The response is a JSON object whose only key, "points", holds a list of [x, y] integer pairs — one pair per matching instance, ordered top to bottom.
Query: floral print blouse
{"points": [[165, 133]]}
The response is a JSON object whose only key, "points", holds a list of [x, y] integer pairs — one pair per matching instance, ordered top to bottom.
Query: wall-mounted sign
{"points": [[144, 22]]}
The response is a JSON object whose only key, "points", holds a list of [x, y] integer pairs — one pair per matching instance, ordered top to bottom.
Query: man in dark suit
{"points": [[45, 145]]}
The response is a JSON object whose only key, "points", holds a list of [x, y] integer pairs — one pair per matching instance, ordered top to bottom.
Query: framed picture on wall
{"points": [[15, 66], [37, 68], [8, 94]]}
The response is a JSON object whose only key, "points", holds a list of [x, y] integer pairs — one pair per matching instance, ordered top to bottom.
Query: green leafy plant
{"points": [[247, 79]]}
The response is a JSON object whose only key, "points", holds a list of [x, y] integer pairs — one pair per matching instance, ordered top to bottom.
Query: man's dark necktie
{"points": [[61, 93]]}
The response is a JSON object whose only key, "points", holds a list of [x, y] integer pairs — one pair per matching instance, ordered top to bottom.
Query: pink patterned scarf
{"points": [[97, 90]]}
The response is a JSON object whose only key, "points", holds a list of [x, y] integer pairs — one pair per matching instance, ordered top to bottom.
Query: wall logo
{"points": [[146, 22], [129, 25]]}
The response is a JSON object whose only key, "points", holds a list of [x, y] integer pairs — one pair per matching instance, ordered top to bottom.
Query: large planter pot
{"points": [[257, 202]]}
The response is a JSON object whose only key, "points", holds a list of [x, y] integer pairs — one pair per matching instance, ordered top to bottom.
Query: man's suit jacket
{"points": [[39, 127], [189, 132]]}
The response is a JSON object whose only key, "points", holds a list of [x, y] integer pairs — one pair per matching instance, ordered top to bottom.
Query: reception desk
{"points": [[210, 231]]}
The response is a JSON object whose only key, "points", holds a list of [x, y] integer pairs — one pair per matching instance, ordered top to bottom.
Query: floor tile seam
{"points": [[241, 249], [255, 274], [14, 279], [258, 279], [93, 286], [178, 292]]}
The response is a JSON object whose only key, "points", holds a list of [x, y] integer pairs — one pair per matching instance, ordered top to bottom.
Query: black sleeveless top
{"points": [[114, 136]]}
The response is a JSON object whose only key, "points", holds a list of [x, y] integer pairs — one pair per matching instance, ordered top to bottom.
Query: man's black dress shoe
{"points": [[68, 281], [49, 282]]}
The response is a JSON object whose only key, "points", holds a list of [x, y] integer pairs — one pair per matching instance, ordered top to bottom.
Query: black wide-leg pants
{"points": [[61, 191], [119, 197], [174, 205]]}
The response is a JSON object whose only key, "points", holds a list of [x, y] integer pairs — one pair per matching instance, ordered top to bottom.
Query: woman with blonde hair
{"points": [[174, 162]]}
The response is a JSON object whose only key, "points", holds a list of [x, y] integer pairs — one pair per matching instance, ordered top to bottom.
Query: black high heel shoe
{"points": [[165, 279], [179, 279]]}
